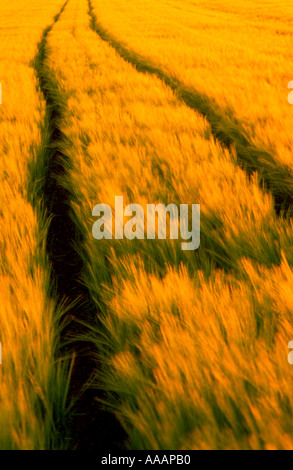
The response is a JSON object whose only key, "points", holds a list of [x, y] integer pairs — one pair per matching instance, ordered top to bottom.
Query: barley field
{"points": [[137, 343]]}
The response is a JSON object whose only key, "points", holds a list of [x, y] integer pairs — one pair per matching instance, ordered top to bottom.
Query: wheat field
{"points": [[138, 344], [33, 380]]}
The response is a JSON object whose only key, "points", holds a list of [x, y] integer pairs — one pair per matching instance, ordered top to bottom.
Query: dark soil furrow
{"points": [[90, 427]]}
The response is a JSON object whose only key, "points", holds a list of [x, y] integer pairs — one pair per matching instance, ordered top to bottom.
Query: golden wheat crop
{"points": [[237, 56], [158, 101], [194, 344], [32, 383]]}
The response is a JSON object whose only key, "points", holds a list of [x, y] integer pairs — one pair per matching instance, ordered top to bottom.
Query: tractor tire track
{"points": [[276, 178], [90, 426]]}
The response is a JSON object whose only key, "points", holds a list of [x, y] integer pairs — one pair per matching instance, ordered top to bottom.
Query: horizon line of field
{"points": [[229, 134], [100, 428]]}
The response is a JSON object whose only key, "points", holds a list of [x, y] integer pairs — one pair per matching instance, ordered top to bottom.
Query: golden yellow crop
{"points": [[236, 57], [158, 101], [194, 343], [31, 381]]}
